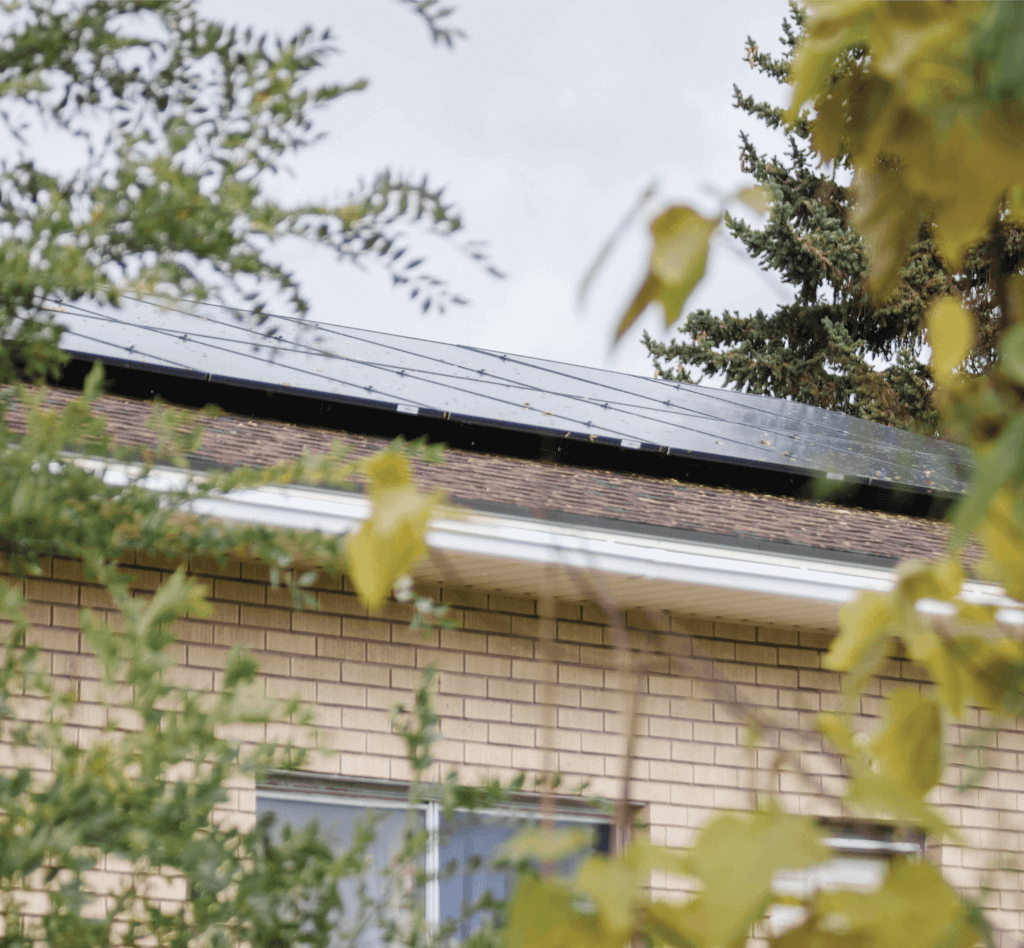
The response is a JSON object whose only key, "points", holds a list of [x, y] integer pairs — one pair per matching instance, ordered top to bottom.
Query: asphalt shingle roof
{"points": [[626, 499]]}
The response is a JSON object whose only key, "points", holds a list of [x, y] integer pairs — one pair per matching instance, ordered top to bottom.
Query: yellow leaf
{"points": [[831, 28], [914, 121], [756, 198], [1015, 205], [888, 214], [680, 251], [678, 259], [650, 291], [950, 335], [387, 469], [1001, 536], [391, 541], [389, 544], [920, 580], [972, 612], [865, 632], [927, 648], [991, 670], [837, 730], [909, 747], [900, 765], [880, 794], [547, 845], [648, 857], [735, 857], [617, 889], [914, 908], [543, 914], [675, 925], [810, 935]]}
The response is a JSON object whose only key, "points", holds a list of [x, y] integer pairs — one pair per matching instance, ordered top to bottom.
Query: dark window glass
{"points": [[337, 823], [469, 845], [467, 851]]}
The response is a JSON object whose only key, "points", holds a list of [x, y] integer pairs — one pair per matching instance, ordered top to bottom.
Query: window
{"points": [[862, 854], [458, 861]]}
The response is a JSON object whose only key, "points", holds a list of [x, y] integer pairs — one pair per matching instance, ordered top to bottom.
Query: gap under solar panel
{"points": [[495, 389]]}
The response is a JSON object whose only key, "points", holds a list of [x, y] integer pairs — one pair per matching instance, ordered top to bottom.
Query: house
{"points": [[595, 509]]}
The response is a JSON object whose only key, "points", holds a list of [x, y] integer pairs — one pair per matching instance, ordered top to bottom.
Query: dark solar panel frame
{"points": [[519, 393]]}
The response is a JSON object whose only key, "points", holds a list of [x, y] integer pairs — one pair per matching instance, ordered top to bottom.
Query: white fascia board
{"points": [[544, 543]]}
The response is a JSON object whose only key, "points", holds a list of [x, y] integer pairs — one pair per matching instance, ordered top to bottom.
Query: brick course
{"points": [[512, 700]]}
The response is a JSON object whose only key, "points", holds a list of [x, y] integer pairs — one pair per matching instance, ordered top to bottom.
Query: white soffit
{"points": [[527, 556]]}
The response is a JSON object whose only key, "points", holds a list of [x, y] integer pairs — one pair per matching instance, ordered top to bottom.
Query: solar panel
{"points": [[479, 386]]}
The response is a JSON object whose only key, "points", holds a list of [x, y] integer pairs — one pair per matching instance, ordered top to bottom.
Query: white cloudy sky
{"points": [[545, 124]]}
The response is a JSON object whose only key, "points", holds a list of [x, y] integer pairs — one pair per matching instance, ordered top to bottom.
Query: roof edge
{"points": [[475, 436], [731, 541], [543, 551]]}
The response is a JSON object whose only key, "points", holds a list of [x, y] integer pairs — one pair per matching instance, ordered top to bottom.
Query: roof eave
{"points": [[543, 558]]}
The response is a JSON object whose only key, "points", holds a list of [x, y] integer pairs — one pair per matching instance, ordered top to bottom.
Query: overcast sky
{"points": [[545, 124]]}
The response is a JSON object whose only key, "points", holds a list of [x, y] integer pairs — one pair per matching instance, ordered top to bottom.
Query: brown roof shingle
{"points": [[624, 498]]}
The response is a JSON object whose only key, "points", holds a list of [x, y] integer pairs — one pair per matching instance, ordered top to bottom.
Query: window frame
{"points": [[394, 795], [851, 836], [843, 837], [848, 838]]}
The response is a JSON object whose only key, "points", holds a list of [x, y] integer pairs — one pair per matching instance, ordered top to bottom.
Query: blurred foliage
{"points": [[931, 103], [924, 104], [167, 127], [139, 140], [833, 345], [392, 540], [139, 787]]}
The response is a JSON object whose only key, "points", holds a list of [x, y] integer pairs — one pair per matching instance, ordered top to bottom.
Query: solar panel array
{"points": [[496, 389]]}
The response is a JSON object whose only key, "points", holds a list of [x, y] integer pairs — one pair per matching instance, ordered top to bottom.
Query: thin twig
{"points": [[609, 245], [1006, 316], [546, 623], [630, 681]]}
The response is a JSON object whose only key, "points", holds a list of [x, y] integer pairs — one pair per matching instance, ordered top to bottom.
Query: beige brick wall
{"points": [[521, 692]]}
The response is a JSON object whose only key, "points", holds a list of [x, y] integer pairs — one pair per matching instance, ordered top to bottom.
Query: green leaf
{"points": [[998, 47], [1011, 350], [992, 469], [176, 597], [239, 669]]}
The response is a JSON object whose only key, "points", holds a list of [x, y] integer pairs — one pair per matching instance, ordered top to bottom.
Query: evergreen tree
{"points": [[832, 346]]}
